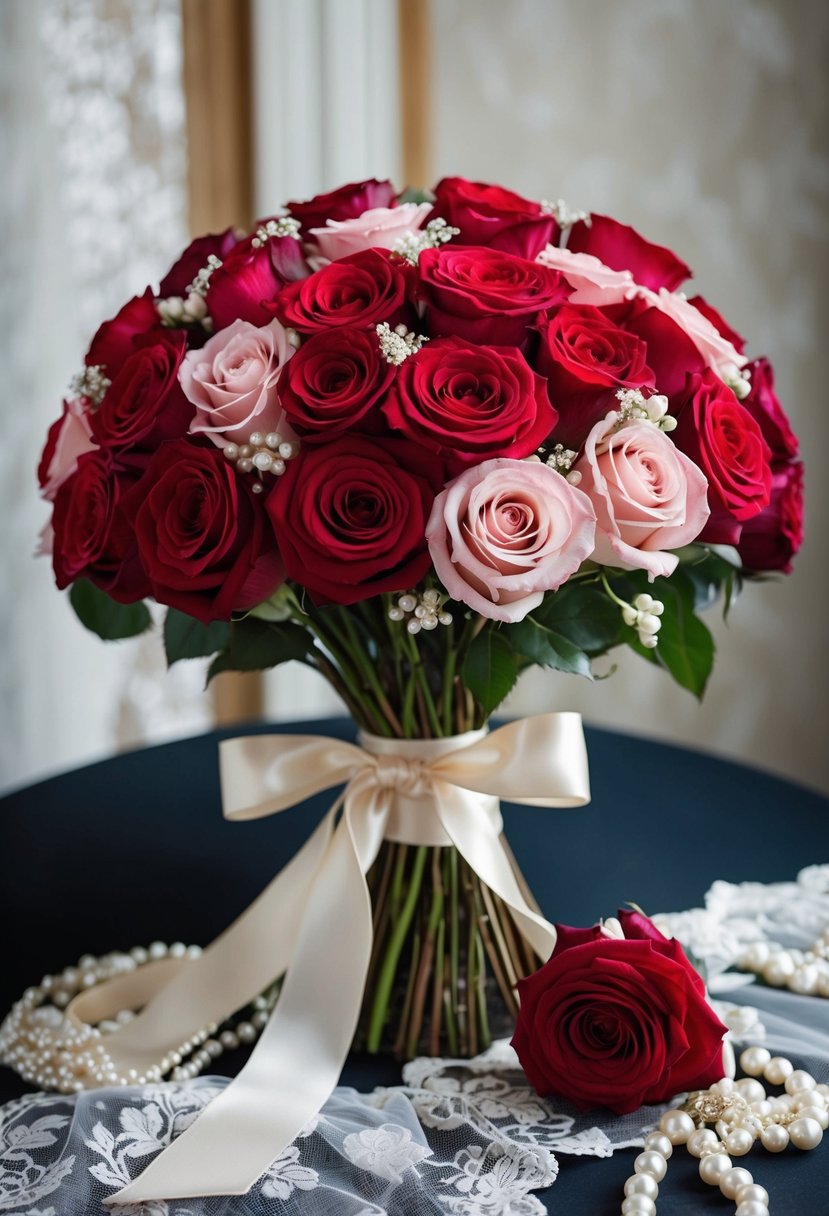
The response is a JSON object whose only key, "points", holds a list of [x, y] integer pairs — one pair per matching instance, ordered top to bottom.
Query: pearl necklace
{"points": [[805, 972], [39, 1042], [741, 1113]]}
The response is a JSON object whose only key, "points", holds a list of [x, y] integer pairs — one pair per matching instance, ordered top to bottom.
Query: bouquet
{"points": [[420, 443]]}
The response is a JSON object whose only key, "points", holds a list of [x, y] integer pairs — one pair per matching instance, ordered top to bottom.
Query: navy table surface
{"points": [[135, 849]]}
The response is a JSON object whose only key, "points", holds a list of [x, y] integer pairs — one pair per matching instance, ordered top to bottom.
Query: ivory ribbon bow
{"points": [[314, 922]]}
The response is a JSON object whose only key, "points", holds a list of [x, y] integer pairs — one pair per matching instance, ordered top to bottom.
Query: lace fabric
{"points": [[458, 1137]]}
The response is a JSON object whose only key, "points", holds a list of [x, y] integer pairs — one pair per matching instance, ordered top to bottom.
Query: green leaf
{"points": [[415, 195], [584, 615], [104, 616], [187, 638], [256, 645], [548, 647], [490, 668]]}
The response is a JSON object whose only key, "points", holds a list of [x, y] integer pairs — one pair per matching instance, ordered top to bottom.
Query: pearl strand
{"points": [[805, 972], [48, 1051], [741, 1113]]}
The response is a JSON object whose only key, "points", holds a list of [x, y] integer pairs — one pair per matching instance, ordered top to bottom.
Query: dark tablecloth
{"points": [[135, 849]]}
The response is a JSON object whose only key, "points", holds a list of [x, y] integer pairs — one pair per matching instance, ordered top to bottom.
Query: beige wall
{"points": [[701, 123]]}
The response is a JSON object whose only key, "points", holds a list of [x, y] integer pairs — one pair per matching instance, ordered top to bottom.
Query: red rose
{"points": [[346, 203], [491, 215], [622, 248], [184, 270], [250, 279], [359, 290], [486, 295], [719, 322], [115, 339], [671, 355], [587, 359], [333, 381], [471, 401], [145, 404], [763, 405], [722, 438], [350, 518], [203, 536], [92, 538], [773, 538], [617, 1022]]}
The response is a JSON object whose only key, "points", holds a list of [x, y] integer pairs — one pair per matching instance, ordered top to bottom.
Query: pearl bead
{"points": [[256, 439], [273, 440], [231, 451], [262, 461], [244, 464], [755, 956], [778, 969], [805, 980], [246, 1032], [753, 1060], [778, 1069], [799, 1079], [723, 1087], [751, 1090], [819, 1113], [677, 1125], [805, 1133], [774, 1138], [701, 1141], [658, 1142], [739, 1142], [654, 1164], [712, 1168], [733, 1180], [642, 1184], [752, 1191], [638, 1205], [752, 1208]]}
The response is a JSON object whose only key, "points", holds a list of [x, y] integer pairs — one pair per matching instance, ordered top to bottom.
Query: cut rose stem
{"points": [[492, 953], [388, 969], [437, 993], [406, 1011]]}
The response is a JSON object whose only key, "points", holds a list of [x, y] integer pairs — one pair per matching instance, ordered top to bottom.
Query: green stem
{"points": [[364, 663], [449, 679], [423, 683], [385, 979]]}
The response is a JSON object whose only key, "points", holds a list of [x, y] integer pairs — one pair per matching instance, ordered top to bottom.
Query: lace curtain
{"points": [[94, 163]]}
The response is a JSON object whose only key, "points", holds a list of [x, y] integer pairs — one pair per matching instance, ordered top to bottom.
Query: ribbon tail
{"points": [[477, 840], [298, 1059]]}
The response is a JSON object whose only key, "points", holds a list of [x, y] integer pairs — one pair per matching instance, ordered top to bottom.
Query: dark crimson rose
{"points": [[346, 203], [491, 215], [622, 248], [184, 270], [250, 278], [362, 289], [485, 295], [719, 322], [115, 339], [671, 354], [587, 359], [334, 381], [470, 402], [145, 404], [763, 405], [722, 438], [350, 518], [203, 536], [92, 537], [773, 538], [617, 1022]]}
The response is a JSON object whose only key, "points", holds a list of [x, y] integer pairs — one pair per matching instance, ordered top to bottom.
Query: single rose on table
{"points": [[617, 1021]]}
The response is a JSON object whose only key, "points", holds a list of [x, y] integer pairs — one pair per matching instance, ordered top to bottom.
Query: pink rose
{"points": [[378, 228], [593, 282], [718, 352], [232, 381], [68, 439], [648, 496], [505, 532]]}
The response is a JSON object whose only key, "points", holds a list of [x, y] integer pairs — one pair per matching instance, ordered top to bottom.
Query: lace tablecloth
{"points": [[465, 1137]]}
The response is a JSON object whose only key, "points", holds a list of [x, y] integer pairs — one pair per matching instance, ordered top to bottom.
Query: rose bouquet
{"points": [[419, 444]]}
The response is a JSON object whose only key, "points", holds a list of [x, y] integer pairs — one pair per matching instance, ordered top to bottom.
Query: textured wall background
{"points": [[702, 125]]}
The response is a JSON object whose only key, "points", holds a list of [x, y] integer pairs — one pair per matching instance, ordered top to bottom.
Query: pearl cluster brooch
{"points": [[261, 454], [425, 612], [805, 972], [48, 1050], [741, 1114]]}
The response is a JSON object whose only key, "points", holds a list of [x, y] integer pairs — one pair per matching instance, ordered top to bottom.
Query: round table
{"points": [[135, 849]]}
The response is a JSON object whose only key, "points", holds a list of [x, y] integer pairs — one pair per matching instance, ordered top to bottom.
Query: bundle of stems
{"points": [[446, 956]]}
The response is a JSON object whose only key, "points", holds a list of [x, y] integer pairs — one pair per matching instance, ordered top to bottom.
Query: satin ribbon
{"points": [[313, 923]]}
